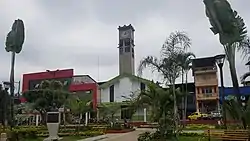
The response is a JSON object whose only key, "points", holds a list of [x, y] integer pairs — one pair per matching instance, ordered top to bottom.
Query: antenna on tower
{"points": [[98, 68]]}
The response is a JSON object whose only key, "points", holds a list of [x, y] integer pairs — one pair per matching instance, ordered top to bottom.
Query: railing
{"points": [[207, 96]]}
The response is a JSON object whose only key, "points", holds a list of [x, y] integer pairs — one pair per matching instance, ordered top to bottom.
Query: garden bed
{"points": [[149, 125], [112, 131], [35, 133], [68, 138]]}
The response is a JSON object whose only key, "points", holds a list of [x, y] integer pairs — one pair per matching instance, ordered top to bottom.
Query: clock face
{"points": [[125, 34]]}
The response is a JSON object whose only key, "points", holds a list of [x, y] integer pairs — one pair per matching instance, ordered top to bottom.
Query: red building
{"points": [[83, 85]]}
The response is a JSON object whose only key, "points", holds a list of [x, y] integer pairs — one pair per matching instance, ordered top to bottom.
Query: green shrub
{"points": [[199, 127], [234, 127], [21, 132], [85, 133], [191, 134], [156, 136], [144, 137]]}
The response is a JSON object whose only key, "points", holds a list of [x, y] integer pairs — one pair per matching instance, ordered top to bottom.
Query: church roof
{"points": [[117, 78]]}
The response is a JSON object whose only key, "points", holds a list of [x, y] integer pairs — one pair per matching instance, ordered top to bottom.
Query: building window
{"points": [[127, 42], [132, 42], [120, 43], [127, 49], [121, 50], [133, 53], [143, 87], [207, 90], [202, 91], [111, 93], [191, 99]]}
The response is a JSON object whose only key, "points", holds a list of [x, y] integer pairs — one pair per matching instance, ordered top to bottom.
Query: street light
{"points": [[220, 61], [6, 85]]}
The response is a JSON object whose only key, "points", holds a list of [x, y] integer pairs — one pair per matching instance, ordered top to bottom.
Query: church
{"points": [[119, 88], [115, 89]]}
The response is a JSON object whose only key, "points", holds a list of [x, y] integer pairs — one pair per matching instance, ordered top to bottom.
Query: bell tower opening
{"points": [[126, 50]]}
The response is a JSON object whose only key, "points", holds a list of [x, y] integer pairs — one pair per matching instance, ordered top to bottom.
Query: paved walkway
{"points": [[131, 136]]}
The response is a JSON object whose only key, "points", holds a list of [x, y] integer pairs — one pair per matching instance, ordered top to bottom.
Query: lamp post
{"points": [[220, 61]]}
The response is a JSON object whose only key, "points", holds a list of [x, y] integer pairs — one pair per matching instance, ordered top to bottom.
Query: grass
{"points": [[69, 138]]}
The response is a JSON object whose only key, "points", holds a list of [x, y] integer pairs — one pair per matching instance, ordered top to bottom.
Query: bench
{"points": [[230, 135]]}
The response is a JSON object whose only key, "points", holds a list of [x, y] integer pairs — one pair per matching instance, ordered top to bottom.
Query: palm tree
{"points": [[232, 33], [14, 43], [185, 60], [168, 64], [247, 74], [244, 77], [152, 98], [160, 102], [131, 104], [78, 107], [109, 109], [239, 112]]}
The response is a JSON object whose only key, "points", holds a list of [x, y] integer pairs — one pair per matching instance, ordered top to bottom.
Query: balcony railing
{"points": [[205, 71], [207, 96]]}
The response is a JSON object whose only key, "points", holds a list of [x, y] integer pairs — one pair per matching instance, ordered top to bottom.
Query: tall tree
{"points": [[232, 33], [14, 43], [185, 60], [168, 65], [244, 77], [49, 95], [160, 102], [131, 104], [79, 106], [109, 109], [239, 112]]}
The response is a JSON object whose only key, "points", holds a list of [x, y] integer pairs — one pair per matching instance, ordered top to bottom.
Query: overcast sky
{"points": [[75, 33]]}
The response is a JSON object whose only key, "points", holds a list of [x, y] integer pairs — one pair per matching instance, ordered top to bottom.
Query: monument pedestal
{"points": [[53, 123], [3, 137]]}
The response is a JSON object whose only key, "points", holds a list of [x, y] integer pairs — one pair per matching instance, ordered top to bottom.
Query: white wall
{"points": [[123, 87]]}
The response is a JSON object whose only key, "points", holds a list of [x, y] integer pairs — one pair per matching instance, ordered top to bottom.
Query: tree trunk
{"points": [[230, 50], [230, 53], [234, 79], [12, 88], [236, 89], [186, 95], [183, 96], [175, 112]]}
